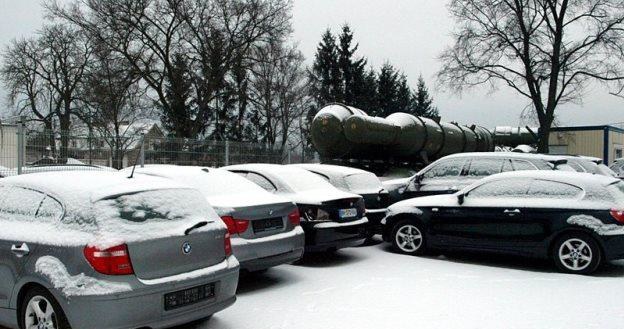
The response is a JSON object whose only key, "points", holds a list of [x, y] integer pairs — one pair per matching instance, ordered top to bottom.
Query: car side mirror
{"points": [[461, 198]]}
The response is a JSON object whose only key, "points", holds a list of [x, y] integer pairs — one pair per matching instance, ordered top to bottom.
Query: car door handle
{"points": [[512, 211], [21, 250]]}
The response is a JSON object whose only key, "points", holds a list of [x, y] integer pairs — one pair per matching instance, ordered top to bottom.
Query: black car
{"points": [[454, 172], [360, 182], [331, 219], [575, 219]]}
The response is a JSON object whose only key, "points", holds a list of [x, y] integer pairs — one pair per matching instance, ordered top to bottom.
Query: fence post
{"points": [[20, 145], [289, 151], [227, 152], [142, 156]]}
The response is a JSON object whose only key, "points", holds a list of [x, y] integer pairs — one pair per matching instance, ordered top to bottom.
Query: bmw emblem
{"points": [[271, 212], [186, 248]]}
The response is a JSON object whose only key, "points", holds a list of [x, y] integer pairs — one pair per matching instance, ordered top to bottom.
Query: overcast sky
{"points": [[408, 33]]}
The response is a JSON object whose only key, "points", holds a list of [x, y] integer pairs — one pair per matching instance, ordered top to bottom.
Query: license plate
{"points": [[347, 213], [269, 224], [189, 296]]}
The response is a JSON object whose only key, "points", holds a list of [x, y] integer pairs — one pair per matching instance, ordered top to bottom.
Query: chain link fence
{"points": [[23, 151]]}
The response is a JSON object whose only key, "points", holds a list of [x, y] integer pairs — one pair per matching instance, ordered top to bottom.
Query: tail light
{"points": [[618, 214], [294, 217], [235, 226], [227, 245], [111, 261]]}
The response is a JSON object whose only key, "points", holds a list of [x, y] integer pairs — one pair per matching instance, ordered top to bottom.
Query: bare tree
{"points": [[153, 34], [546, 50], [278, 90], [27, 91], [118, 108]]}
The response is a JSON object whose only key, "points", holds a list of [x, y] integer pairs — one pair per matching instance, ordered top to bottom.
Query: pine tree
{"points": [[351, 70], [326, 81], [387, 90], [178, 93], [405, 100], [423, 102]]}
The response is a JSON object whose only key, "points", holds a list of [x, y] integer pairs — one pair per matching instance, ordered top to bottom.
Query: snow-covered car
{"points": [[590, 165], [618, 167], [55, 168], [454, 172], [360, 182], [332, 219], [574, 219], [264, 227], [99, 250]]}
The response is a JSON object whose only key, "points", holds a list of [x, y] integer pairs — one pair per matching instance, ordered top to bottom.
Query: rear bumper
{"points": [[374, 219], [333, 235], [262, 253], [145, 307]]}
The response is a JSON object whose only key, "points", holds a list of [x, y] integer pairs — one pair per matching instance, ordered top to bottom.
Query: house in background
{"points": [[605, 142]]}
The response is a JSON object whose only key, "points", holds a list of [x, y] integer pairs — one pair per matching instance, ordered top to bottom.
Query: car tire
{"points": [[408, 237], [576, 253], [49, 309]]}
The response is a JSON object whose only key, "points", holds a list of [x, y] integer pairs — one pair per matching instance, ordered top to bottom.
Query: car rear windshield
{"points": [[302, 180], [363, 182], [617, 191], [170, 205]]}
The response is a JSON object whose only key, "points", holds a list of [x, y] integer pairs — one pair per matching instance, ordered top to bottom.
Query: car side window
{"points": [[523, 165], [485, 167], [445, 169], [261, 181], [504, 188], [549, 189], [19, 203], [50, 210]]}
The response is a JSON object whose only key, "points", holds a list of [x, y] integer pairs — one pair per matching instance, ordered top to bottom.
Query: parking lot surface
{"points": [[370, 287]]}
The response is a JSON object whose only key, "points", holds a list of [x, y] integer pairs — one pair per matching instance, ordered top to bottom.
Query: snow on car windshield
{"points": [[302, 180], [363, 182], [219, 183], [154, 206], [150, 215]]}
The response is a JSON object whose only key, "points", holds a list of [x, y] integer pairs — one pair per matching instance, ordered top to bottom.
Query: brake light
{"points": [[618, 214], [294, 217], [235, 226], [227, 245], [111, 261]]}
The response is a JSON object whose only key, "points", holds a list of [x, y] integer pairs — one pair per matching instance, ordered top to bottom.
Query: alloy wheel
{"points": [[409, 238], [575, 254], [40, 314]]}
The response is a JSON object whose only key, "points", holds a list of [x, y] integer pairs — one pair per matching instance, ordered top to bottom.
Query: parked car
{"points": [[589, 165], [618, 167], [53, 168], [454, 172], [360, 182], [332, 219], [575, 219], [264, 227], [98, 250]]}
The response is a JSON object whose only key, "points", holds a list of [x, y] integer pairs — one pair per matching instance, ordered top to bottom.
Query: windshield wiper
{"points": [[194, 227]]}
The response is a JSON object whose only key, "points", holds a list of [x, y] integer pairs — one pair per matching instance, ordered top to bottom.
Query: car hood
{"points": [[316, 197]]}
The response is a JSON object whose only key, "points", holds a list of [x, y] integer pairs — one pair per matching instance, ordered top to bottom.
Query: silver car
{"points": [[332, 219], [264, 227], [99, 250]]}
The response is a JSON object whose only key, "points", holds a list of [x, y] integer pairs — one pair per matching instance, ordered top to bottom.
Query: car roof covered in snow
{"points": [[512, 155], [331, 170], [568, 177], [88, 186], [221, 187]]}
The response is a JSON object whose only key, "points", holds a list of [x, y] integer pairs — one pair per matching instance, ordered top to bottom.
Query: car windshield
{"points": [[606, 171], [302, 180], [363, 182], [219, 183], [617, 190], [171, 205]]}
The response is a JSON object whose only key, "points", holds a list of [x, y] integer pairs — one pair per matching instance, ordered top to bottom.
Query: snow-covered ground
{"points": [[370, 287]]}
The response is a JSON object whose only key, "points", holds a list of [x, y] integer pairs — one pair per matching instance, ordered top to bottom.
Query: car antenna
{"points": [[136, 160]]}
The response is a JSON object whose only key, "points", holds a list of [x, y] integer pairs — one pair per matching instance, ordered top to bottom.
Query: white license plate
{"points": [[347, 213]]}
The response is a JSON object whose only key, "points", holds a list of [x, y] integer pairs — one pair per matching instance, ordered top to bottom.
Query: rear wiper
{"points": [[194, 227]]}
